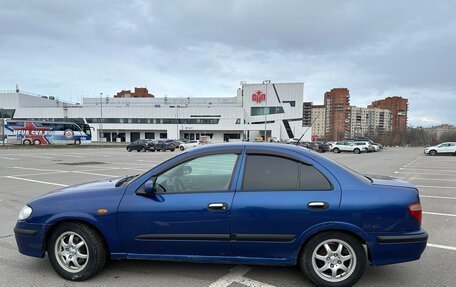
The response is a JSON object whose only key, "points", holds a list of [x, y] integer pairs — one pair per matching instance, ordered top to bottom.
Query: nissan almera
{"points": [[231, 203]]}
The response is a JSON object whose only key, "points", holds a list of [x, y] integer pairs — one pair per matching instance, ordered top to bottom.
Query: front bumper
{"points": [[30, 238], [397, 248]]}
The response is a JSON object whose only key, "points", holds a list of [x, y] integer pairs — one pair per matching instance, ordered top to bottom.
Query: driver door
{"points": [[189, 213]]}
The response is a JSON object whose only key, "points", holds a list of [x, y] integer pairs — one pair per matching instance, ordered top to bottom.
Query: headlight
{"points": [[25, 213]]}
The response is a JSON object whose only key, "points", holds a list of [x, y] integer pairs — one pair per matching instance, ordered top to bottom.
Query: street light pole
{"points": [[266, 82], [101, 119], [177, 122], [3, 130]]}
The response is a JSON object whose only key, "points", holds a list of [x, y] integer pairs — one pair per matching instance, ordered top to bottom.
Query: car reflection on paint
{"points": [[234, 203]]}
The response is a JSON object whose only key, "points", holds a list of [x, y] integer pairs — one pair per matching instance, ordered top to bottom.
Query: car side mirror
{"points": [[149, 186]]}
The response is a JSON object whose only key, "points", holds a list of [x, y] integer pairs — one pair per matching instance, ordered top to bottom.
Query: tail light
{"points": [[415, 211]]}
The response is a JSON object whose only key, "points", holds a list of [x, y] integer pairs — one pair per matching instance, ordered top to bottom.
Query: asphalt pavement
{"points": [[25, 174]]}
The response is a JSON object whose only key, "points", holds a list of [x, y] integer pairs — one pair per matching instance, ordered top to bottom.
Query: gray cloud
{"points": [[204, 48]]}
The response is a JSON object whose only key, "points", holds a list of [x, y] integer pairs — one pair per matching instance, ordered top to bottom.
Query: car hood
{"points": [[389, 181], [95, 186]]}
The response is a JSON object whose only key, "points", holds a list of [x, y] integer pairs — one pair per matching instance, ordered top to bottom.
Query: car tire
{"points": [[27, 142], [36, 142], [77, 142], [182, 148], [128, 149], [172, 149], [138, 150], [336, 150], [357, 150], [433, 152], [72, 244], [318, 266]]}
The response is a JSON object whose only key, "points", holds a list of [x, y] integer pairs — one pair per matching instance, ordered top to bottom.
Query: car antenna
{"points": [[311, 124]]}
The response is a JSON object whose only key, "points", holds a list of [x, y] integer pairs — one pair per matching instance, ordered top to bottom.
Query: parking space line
{"points": [[8, 158], [31, 168], [38, 173], [427, 173], [97, 174], [424, 178], [37, 181], [433, 186], [439, 197], [439, 214], [441, 246], [236, 275]]}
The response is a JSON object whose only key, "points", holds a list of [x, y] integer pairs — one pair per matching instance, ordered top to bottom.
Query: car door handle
{"points": [[319, 205], [217, 206]]}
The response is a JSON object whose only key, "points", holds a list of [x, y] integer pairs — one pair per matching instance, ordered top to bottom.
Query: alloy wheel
{"points": [[71, 252], [334, 260]]}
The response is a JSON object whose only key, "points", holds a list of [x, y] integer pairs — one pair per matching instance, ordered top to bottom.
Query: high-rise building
{"points": [[138, 93], [398, 107], [306, 114], [318, 121], [337, 121], [369, 122]]}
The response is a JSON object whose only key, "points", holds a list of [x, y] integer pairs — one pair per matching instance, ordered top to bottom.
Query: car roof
{"points": [[269, 146]]}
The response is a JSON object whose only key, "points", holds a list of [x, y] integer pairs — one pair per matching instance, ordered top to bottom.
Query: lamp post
{"points": [[266, 111], [101, 119], [3, 130]]}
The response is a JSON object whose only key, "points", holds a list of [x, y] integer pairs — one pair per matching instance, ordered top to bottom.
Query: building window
{"points": [[261, 111], [238, 121], [163, 135], [150, 136]]}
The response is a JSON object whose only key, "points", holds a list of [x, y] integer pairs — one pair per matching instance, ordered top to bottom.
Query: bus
{"points": [[28, 132]]}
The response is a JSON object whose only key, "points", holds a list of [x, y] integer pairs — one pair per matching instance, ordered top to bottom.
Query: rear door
{"points": [[279, 197]]}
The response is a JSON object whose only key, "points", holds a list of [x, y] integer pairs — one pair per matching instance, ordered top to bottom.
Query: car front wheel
{"points": [[181, 148], [336, 150], [357, 151], [433, 152], [76, 251], [333, 259]]}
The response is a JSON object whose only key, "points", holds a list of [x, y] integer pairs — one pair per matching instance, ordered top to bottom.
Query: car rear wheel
{"points": [[181, 148], [172, 149], [336, 150], [357, 150], [433, 152], [76, 251], [333, 259]]}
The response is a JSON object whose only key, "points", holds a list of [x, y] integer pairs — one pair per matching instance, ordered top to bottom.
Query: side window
{"points": [[263, 172], [207, 173], [312, 179]]}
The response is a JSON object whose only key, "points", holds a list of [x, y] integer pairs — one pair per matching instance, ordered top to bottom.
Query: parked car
{"points": [[189, 144], [140, 145], [163, 145], [350, 146], [443, 148], [210, 204]]}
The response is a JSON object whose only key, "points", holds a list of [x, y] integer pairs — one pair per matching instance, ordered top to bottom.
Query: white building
{"points": [[275, 107]]}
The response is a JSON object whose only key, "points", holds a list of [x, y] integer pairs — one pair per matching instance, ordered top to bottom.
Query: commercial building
{"points": [[272, 107], [337, 115]]}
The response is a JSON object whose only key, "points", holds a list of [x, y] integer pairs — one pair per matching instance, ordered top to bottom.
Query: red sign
{"points": [[258, 96]]}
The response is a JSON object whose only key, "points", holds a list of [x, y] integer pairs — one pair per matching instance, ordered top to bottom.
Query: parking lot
{"points": [[25, 174]]}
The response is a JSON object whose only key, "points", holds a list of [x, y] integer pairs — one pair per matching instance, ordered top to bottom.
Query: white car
{"points": [[189, 144], [356, 147], [448, 147]]}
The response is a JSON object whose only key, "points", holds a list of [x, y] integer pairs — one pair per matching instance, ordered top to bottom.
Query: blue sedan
{"points": [[231, 203]]}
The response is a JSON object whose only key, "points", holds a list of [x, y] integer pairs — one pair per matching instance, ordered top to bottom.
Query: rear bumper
{"points": [[30, 238], [397, 248]]}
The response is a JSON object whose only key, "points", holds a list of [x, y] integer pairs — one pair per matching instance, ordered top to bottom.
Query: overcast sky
{"points": [[72, 49]]}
